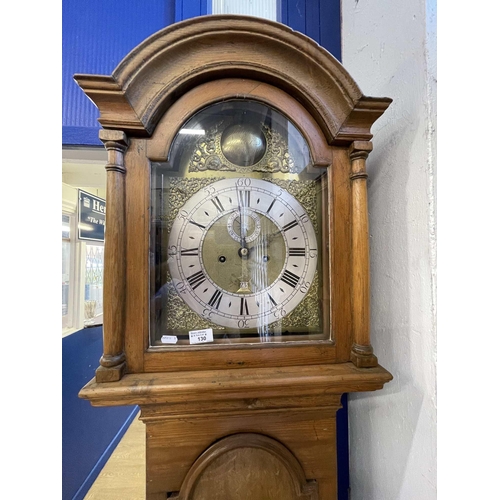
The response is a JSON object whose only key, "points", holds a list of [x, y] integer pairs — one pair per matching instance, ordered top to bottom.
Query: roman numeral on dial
{"points": [[244, 198], [218, 204], [271, 205], [196, 224], [290, 225], [189, 251], [297, 252], [196, 279], [290, 279], [215, 300], [272, 300], [243, 306]]}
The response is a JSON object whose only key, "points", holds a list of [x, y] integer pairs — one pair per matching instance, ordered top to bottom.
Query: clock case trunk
{"points": [[264, 405]]}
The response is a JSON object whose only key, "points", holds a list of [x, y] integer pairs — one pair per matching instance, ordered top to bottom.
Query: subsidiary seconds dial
{"points": [[242, 253]]}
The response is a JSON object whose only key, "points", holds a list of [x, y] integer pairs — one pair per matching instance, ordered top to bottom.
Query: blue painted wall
{"points": [[318, 19], [98, 34], [89, 435]]}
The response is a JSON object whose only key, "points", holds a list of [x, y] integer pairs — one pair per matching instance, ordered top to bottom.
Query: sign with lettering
{"points": [[91, 216]]}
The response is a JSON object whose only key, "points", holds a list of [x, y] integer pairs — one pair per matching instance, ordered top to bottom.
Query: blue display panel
{"points": [[193, 8], [98, 35]]}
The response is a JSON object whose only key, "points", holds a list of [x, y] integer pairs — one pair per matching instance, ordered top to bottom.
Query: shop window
{"points": [[94, 269], [82, 271], [68, 285]]}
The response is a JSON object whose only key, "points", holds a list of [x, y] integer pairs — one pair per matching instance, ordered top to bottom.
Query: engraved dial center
{"points": [[248, 262]]}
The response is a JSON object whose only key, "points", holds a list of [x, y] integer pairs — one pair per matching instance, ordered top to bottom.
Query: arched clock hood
{"points": [[182, 56]]}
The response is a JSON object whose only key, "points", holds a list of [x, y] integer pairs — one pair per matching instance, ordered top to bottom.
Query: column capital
{"points": [[109, 136], [116, 143], [360, 149], [358, 153]]}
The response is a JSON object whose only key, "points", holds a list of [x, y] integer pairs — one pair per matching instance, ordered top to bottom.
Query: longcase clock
{"points": [[236, 285]]}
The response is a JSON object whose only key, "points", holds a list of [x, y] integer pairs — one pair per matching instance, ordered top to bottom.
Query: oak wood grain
{"points": [[187, 54], [362, 351], [113, 359], [213, 385], [309, 434], [246, 466]]}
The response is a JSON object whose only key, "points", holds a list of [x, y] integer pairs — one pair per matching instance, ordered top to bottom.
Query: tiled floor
{"points": [[124, 475]]}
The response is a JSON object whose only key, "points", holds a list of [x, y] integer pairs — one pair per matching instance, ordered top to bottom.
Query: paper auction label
{"points": [[201, 336]]}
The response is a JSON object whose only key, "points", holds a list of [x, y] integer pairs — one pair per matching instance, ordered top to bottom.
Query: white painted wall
{"points": [[389, 49]]}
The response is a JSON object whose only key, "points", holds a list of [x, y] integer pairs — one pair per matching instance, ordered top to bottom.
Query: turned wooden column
{"points": [[362, 352], [113, 359]]}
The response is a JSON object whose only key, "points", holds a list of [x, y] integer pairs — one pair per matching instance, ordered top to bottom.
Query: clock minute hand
{"points": [[243, 226], [243, 253]]}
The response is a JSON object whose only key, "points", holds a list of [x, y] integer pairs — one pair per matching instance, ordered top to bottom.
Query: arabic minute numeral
{"points": [[243, 182], [280, 313], [243, 323]]}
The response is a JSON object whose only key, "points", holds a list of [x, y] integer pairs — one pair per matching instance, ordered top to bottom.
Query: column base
{"points": [[362, 356], [110, 374]]}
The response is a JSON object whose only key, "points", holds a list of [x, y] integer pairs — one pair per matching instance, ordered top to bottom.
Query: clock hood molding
{"points": [[184, 55]]}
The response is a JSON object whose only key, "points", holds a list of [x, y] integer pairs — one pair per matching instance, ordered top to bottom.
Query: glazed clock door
{"points": [[237, 230]]}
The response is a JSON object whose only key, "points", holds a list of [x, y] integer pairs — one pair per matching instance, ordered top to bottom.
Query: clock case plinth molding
{"points": [[156, 88]]}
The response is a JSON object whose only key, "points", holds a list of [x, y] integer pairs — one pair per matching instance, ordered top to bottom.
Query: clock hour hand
{"points": [[245, 275]]}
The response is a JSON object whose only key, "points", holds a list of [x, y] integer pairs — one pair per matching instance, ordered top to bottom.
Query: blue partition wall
{"points": [[97, 35], [89, 434]]}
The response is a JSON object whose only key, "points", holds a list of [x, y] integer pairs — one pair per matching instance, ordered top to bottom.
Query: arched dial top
{"points": [[242, 253]]}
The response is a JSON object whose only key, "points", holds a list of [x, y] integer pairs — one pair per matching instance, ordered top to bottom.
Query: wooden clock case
{"points": [[239, 421]]}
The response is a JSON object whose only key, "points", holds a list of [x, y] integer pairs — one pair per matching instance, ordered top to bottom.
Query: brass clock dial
{"points": [[237, 230], [242, 253]]}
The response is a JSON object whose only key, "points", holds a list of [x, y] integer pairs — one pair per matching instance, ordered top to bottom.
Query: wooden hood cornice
{"points": [[178, 58]]}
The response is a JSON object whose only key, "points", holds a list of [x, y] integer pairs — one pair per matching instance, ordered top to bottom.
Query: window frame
{"points": [[70, 320]]}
